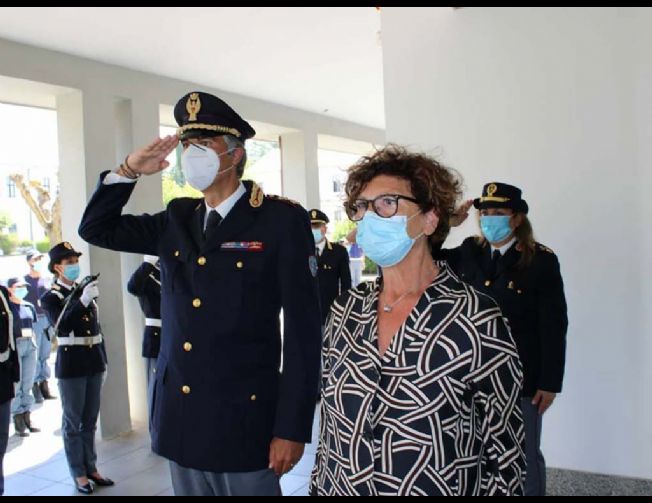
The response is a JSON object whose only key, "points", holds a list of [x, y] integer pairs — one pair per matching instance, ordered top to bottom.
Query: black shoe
{"points": [[36, 391], [45, 391], [101, 482], [87, 489]]}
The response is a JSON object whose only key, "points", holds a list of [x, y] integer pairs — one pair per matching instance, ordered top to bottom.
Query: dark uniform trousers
{"points": [[334, 275], [533, 300], [80, 369], [9, 374], [220, 397]]}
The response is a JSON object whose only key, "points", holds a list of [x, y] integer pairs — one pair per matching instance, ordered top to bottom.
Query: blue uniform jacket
{"points": [[145, 283], [219, 396]]}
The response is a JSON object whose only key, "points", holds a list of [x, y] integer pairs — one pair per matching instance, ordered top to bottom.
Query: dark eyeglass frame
{"points": [[352, 209]]}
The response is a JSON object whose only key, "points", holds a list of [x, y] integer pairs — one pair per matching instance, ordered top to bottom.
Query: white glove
{"points": [[151, 259], [90, 293]]}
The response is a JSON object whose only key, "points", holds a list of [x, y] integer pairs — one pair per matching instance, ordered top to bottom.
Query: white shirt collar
{"points": [[227, 205], [321, 246], [505, 248], [63, 285]]}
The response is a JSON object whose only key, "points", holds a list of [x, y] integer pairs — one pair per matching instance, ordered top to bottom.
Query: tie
{"points": [[212, 224], [317, 254], [495, 257]]}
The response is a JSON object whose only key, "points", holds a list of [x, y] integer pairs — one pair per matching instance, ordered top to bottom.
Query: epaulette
{"points": [[284, 200], [545, 249]]}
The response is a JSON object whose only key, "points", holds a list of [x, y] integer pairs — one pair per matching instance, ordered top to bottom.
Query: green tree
{"points": [[5, 220], [342, 229]]}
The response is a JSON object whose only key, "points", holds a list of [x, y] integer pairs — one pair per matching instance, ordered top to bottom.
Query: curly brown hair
{"points": [[433, 185]]}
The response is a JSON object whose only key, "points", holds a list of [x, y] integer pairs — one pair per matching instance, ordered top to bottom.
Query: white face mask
{"points": [[201, 165]]}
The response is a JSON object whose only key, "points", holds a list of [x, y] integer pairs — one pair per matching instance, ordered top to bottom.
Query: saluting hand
{"points": [[151, 159], [461, 214], [284, 455]]}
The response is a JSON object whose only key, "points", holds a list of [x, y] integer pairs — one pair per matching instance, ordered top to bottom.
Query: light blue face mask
{"points": [[496, 228], [318, 235], [385, 240], [39, 266], [71, 272], [20, 292]]}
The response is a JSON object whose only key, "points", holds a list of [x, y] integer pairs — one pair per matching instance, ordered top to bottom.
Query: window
{"points": [[11, 188]]}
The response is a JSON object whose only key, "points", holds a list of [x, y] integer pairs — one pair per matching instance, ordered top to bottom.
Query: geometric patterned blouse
{"points": [[438, 414]]}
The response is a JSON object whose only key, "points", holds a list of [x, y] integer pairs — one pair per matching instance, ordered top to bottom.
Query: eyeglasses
{"points": [[385, 206]]}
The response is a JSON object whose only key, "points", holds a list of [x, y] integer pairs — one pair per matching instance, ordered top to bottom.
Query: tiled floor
{"points": [[37, 465]]}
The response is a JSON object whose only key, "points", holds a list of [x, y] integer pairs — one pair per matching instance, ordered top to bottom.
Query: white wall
{"points": [[559, 102]]}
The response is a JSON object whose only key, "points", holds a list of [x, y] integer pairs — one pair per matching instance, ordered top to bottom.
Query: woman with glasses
{"points": [[524, 278], [421, 376]]}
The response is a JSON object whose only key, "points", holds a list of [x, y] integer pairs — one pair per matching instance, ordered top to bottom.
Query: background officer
{"points": [[333, 259], [524, 278], [145, 283], [37, 286], [81, 362], [9, 374], [225, 413]]}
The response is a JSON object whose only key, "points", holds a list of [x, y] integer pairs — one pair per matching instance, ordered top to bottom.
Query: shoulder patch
{"points": [[257, 196], [283, 200], [545, 249]]}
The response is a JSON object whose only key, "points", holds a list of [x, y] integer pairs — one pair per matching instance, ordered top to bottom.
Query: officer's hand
{"points": [[151, 159], [461, 214], [90, 293], [544, 400], [283, 455]]}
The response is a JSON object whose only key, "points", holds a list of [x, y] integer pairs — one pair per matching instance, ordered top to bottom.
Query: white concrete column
{"points": [[138, 125], [87, 137], [300, 167]]}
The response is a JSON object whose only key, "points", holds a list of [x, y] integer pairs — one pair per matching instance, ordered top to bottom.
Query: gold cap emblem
{"points": [[193, 106], [492, 189], [314, 214], [67, 245]]}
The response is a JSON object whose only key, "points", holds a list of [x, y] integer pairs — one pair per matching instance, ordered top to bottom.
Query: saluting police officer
{"points": [[333, 259], [524, 278], [145, 284], [81, 363], [9, 373], [226, 417]]}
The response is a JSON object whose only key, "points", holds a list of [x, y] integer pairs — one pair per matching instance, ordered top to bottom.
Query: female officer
{"points": [[523, 276], [81, 363]]}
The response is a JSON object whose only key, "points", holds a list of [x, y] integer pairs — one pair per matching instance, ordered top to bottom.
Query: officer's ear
{"points": [[237, 155], [517, 219]]}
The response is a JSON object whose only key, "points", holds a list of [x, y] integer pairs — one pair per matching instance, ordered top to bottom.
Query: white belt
{"points": [[152, 322], [80, 341]]}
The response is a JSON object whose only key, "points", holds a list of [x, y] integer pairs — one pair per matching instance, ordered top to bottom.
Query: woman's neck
{"points": [[413, 274]]}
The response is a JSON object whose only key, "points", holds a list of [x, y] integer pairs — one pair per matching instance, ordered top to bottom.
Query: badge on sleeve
{"points": [[312, 262]]}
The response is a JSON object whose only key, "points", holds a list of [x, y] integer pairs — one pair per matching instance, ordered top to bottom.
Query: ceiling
{"points": [[323, 60]]}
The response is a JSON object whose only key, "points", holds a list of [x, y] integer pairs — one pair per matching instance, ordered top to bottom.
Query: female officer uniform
{"points": [[531, 296], [80, 368]]}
